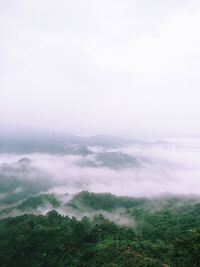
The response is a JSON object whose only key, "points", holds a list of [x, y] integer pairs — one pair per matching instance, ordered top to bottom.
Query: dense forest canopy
{"points": [[159, 232]]}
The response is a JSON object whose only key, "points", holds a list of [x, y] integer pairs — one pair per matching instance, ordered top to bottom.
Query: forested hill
{"points": [[102, 230], [57, 241]]}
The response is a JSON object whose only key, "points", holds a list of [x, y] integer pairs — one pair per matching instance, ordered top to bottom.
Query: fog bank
{"points": [[167, 167]]}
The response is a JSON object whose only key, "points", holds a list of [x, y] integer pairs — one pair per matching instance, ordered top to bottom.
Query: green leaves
{"points": [[167, 234]]}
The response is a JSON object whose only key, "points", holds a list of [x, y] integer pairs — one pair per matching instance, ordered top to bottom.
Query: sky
{"points": [[122, 67]]}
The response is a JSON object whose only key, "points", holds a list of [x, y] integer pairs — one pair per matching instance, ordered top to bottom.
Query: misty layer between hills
{"points": [[140, 169]]}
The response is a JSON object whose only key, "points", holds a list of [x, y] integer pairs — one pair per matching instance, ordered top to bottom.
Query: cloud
{"points": [[172, 167]]}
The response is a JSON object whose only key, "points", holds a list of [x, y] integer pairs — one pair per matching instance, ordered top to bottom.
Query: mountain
{"points": [[16, 139]]}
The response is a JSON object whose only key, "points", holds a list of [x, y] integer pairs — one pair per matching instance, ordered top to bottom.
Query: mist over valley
{"points": [[99, 164]]}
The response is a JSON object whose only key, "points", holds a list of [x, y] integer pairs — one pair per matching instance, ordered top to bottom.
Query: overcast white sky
{"points": [[101, 66]]}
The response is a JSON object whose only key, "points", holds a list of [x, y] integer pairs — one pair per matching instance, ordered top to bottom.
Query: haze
{"points": [[120, 67], [143, 169]]}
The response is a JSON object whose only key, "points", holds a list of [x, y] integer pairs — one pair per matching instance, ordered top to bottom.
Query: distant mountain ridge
{"points": [[29, 140]]}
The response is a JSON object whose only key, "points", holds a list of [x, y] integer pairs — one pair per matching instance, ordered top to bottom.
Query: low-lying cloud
{"points": [[168, 167]]}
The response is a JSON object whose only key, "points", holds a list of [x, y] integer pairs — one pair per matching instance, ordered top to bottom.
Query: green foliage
{"points": [[39, 201], [104, 201], [166, 232], [53, 240], [187, 249]]}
